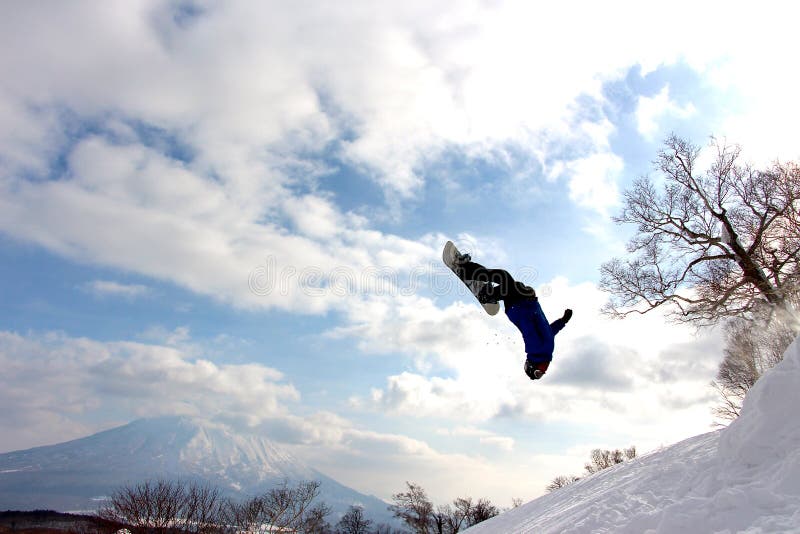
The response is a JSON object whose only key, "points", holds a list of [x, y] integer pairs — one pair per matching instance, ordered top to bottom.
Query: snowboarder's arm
{"points": [[560, 323]]}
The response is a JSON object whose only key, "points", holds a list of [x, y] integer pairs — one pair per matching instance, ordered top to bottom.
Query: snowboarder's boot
{"points": [[461, 259], [459, 264], [484, 295]]}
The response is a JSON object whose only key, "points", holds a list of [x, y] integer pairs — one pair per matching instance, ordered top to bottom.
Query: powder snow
{"points": [[743, 478]]}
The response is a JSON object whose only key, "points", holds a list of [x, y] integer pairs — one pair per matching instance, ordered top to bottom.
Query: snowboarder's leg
{"points": [[471, 271], [500, 285]]}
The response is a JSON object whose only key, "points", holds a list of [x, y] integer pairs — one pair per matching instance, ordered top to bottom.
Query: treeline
{"points": [[599, 459], [180, 507], [419, 514]]}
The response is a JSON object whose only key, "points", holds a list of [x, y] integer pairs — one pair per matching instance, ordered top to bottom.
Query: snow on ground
{"points": [[744, 478]]}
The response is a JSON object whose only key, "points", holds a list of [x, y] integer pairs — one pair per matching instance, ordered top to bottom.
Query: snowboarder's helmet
{"points": [[535, 371]]}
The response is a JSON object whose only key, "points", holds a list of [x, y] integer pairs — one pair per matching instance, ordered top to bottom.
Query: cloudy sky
{"points": [[235, 210]]}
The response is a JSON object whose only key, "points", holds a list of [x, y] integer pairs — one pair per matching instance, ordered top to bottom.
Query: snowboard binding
{"points": [[454, 260]]}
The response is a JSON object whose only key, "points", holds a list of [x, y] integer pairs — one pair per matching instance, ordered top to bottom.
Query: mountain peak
{"points": [[172, 446], [76, 475]]}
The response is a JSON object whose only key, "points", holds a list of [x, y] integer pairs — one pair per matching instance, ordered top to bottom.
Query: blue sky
{"points": [[181, 182]]}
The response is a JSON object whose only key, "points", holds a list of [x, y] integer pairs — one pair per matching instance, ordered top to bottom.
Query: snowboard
{"points": [[449, 255]]}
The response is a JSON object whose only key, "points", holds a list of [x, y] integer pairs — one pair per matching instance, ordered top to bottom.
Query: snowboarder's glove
{"points": [[567, 316]]}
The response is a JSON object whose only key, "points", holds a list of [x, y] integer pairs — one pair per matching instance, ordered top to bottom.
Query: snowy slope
{"points": [[76, 474], [744, 478]]}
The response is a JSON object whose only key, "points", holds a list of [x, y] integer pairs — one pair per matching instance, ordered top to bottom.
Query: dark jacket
{"points": [[537, 333]]}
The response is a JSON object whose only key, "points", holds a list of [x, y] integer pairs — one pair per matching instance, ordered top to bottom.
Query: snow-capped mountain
{"points": [[76, 475], [744, 478]]}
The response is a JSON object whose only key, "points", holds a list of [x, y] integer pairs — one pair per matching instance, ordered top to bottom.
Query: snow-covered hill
{"points": [[75, 475], [744, 478]]}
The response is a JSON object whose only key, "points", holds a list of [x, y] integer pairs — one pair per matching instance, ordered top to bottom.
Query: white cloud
{"points": [[755, 80], [387, 89], [650, 110], [193, 153], [593, 181], [133, 208], [109, 288], [179, 337], [649, 377], [54, 378], [55, 388], [423, 396], [485, 437], [381, 464], [495, 466]]}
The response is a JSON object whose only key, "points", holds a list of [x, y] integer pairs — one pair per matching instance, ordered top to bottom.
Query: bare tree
{"points": [[713, 245], [752, 346], [600, 459], [603, 459], [561, 482], [150, 506], [168, 507], [292, 508], [414, 508], [202, 509], [482, 510], [462, 512], [418, 513], [246, 516], [440, 519], [315, 521], [353, 522]]}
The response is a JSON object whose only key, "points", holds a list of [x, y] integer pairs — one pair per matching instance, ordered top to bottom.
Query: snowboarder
{"points": [[522, 308]]}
